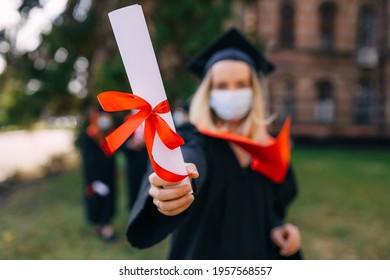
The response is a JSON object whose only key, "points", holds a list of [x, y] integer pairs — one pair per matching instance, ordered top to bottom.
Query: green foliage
{"points": [[179, 29], [112, 76], [53, 96]]}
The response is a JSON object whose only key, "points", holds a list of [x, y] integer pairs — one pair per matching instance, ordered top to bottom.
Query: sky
{"points": [[24, 31]]}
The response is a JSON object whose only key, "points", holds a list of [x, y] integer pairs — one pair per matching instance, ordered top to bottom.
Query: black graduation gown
{"points": [[136, 164], [97, 166], [233, 213]]}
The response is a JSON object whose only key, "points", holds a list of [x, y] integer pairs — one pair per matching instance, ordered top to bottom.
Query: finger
{"points": [[192, 171], [155, 180], [163, 194], [156, 202], [172, 205], [177, 211], [293, 234], [277, 236], [293, 241], [289, 250], [284, 253]]}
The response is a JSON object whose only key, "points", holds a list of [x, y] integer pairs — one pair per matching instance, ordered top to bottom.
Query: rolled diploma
{"points": [[135, 46]]}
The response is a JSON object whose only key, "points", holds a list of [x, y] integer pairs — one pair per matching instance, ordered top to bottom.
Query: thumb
{"points": [[192, 171]]}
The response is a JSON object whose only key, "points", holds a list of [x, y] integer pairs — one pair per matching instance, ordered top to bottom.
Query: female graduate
{"points": [[99, 170], [242, 182]]}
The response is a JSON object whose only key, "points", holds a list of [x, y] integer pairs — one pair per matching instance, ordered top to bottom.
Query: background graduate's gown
{"points": [[98, 166], [135, 167], [233, 213]]}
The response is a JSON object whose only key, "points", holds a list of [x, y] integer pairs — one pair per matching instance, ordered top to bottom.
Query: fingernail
{"points": [[194, 171]]}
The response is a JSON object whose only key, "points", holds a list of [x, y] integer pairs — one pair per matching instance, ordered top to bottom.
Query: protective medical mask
{"points": [[231, 105], [179, 117], [104, 122]]}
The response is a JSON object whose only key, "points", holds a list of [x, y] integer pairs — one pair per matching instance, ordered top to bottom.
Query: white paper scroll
{"points": [[132, 36]]}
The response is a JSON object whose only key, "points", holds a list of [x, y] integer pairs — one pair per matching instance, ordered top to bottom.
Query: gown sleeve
{"points": [[284, 193], [147, 226]]}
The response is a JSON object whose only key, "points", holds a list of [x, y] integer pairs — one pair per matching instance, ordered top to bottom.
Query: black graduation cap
{"points": [[232, 45]]}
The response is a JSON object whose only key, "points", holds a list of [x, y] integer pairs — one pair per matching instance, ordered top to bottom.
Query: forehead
{"points": [[230, 69]]}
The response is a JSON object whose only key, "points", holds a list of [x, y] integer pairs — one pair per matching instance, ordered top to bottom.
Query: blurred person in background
{"points": [[180, 114], [136, 163], [99, 170], [242, 181]]}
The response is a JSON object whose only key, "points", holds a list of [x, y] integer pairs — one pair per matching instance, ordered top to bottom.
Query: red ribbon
{"points": [[112, 101]]}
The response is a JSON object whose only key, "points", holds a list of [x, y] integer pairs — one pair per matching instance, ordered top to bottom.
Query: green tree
{"points": [[181, 29], [79, 58]]}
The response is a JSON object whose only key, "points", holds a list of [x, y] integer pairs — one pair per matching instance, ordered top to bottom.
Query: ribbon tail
{"points": [[150, 132], [169, 137], [116, 138]]}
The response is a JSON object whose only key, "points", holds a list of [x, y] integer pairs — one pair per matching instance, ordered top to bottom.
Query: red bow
{"points": [[112, 101]]}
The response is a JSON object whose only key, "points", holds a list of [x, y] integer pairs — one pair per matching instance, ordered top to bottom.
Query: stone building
{"points": [[333, 74]]}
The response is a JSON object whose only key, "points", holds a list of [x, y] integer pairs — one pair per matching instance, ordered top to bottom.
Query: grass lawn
{"points": [[343, 207], [342, 210], [45, 220]]}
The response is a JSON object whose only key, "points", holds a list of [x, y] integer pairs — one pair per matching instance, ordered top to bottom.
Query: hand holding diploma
{"points": [[172, 201]]}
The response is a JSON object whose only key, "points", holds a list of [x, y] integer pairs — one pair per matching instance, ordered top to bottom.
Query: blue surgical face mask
{"points": [[231, 105], [104, 122]]}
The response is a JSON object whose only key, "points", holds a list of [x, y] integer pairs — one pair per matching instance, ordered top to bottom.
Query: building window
{"points": [[327, 24], [366, 28], [286, 32], [283, 99], [288, 99], [363, 102], [324, 105]]}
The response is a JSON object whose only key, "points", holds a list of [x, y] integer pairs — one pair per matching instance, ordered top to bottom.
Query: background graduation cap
{"points": [[232, 45]]}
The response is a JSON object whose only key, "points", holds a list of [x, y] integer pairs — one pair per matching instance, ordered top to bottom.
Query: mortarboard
{"points": [[232, 45]]}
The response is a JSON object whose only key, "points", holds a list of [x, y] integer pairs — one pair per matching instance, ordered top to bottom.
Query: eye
{"points": [[242, 84], [221, 85]]}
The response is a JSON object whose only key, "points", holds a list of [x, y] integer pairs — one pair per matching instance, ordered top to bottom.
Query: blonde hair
{"points": [[253, 126]]}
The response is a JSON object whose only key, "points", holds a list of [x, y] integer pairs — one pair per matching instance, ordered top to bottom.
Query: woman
{"points": [[233, 210]]}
